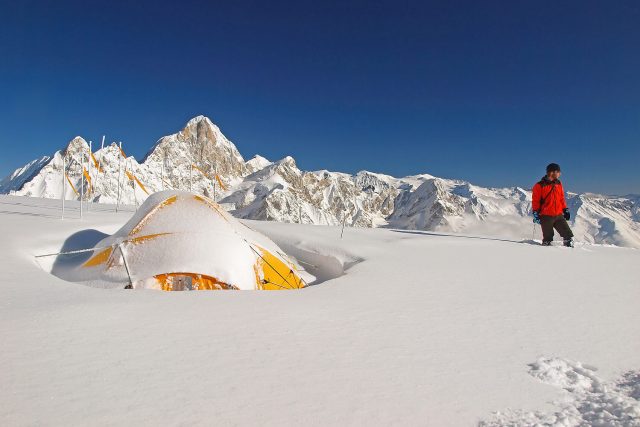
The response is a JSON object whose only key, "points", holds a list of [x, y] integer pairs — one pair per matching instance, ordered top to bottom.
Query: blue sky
{"points": [[484, 91]]}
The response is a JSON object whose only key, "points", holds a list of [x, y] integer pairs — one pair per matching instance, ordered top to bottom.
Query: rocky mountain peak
{"points": [[202, 144], [75, 146], [199, 158], [288, 161], [257, 163]]}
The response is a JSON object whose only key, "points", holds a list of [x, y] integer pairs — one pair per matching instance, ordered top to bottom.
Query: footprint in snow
{"points": [[589, 401]]}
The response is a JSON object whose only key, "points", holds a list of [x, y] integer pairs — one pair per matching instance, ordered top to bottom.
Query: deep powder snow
{"points": [[406, 327]]}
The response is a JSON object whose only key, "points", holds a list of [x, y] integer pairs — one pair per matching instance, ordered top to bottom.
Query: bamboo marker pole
{"points": [[100, 159], [162, 170], [89, 175], [119, 175], [215, 176], [81, 180], [64, 184], [133, 184], [344, 221]]}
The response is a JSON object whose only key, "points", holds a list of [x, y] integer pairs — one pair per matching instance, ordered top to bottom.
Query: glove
{"points": [[566, 214], [536, 217]]}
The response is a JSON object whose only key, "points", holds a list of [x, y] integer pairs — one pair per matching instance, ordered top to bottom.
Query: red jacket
{"points": [[548, 197]]}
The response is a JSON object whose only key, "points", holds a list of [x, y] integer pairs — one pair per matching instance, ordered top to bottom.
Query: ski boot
{"points": [[546, 243], [568, 243]]}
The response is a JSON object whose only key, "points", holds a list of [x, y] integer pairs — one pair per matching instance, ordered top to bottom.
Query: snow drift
{"points": [[414, 328]]}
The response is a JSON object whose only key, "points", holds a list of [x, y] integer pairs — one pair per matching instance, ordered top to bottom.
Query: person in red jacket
{"points": [[550, 208]]}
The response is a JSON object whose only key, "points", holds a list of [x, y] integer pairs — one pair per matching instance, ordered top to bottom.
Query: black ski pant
{"points": [[548, 223]]}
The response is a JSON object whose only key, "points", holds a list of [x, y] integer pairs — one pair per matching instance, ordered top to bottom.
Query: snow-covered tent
{"points": [[182, 241]]}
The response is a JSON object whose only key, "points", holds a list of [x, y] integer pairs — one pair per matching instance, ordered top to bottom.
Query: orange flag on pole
{"points": [[86, 175], [71, 184]]}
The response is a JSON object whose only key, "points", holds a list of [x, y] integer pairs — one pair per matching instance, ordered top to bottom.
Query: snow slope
{"points": [[201, 159], [403, 327]]}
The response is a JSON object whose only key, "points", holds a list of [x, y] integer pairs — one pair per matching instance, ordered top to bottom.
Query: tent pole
{"points": [[126, 267]]}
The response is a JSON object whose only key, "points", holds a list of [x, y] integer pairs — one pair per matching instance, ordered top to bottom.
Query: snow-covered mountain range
{"points": [[201, 159]]}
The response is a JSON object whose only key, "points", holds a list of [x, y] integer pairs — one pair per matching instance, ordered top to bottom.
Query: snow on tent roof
{"points": [[178, 241]]}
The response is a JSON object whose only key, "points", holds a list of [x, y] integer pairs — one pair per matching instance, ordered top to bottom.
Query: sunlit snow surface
{"points": [[404, 327]]}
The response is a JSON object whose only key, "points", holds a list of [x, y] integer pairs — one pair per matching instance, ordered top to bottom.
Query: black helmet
{"points": [[552, 167]]}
